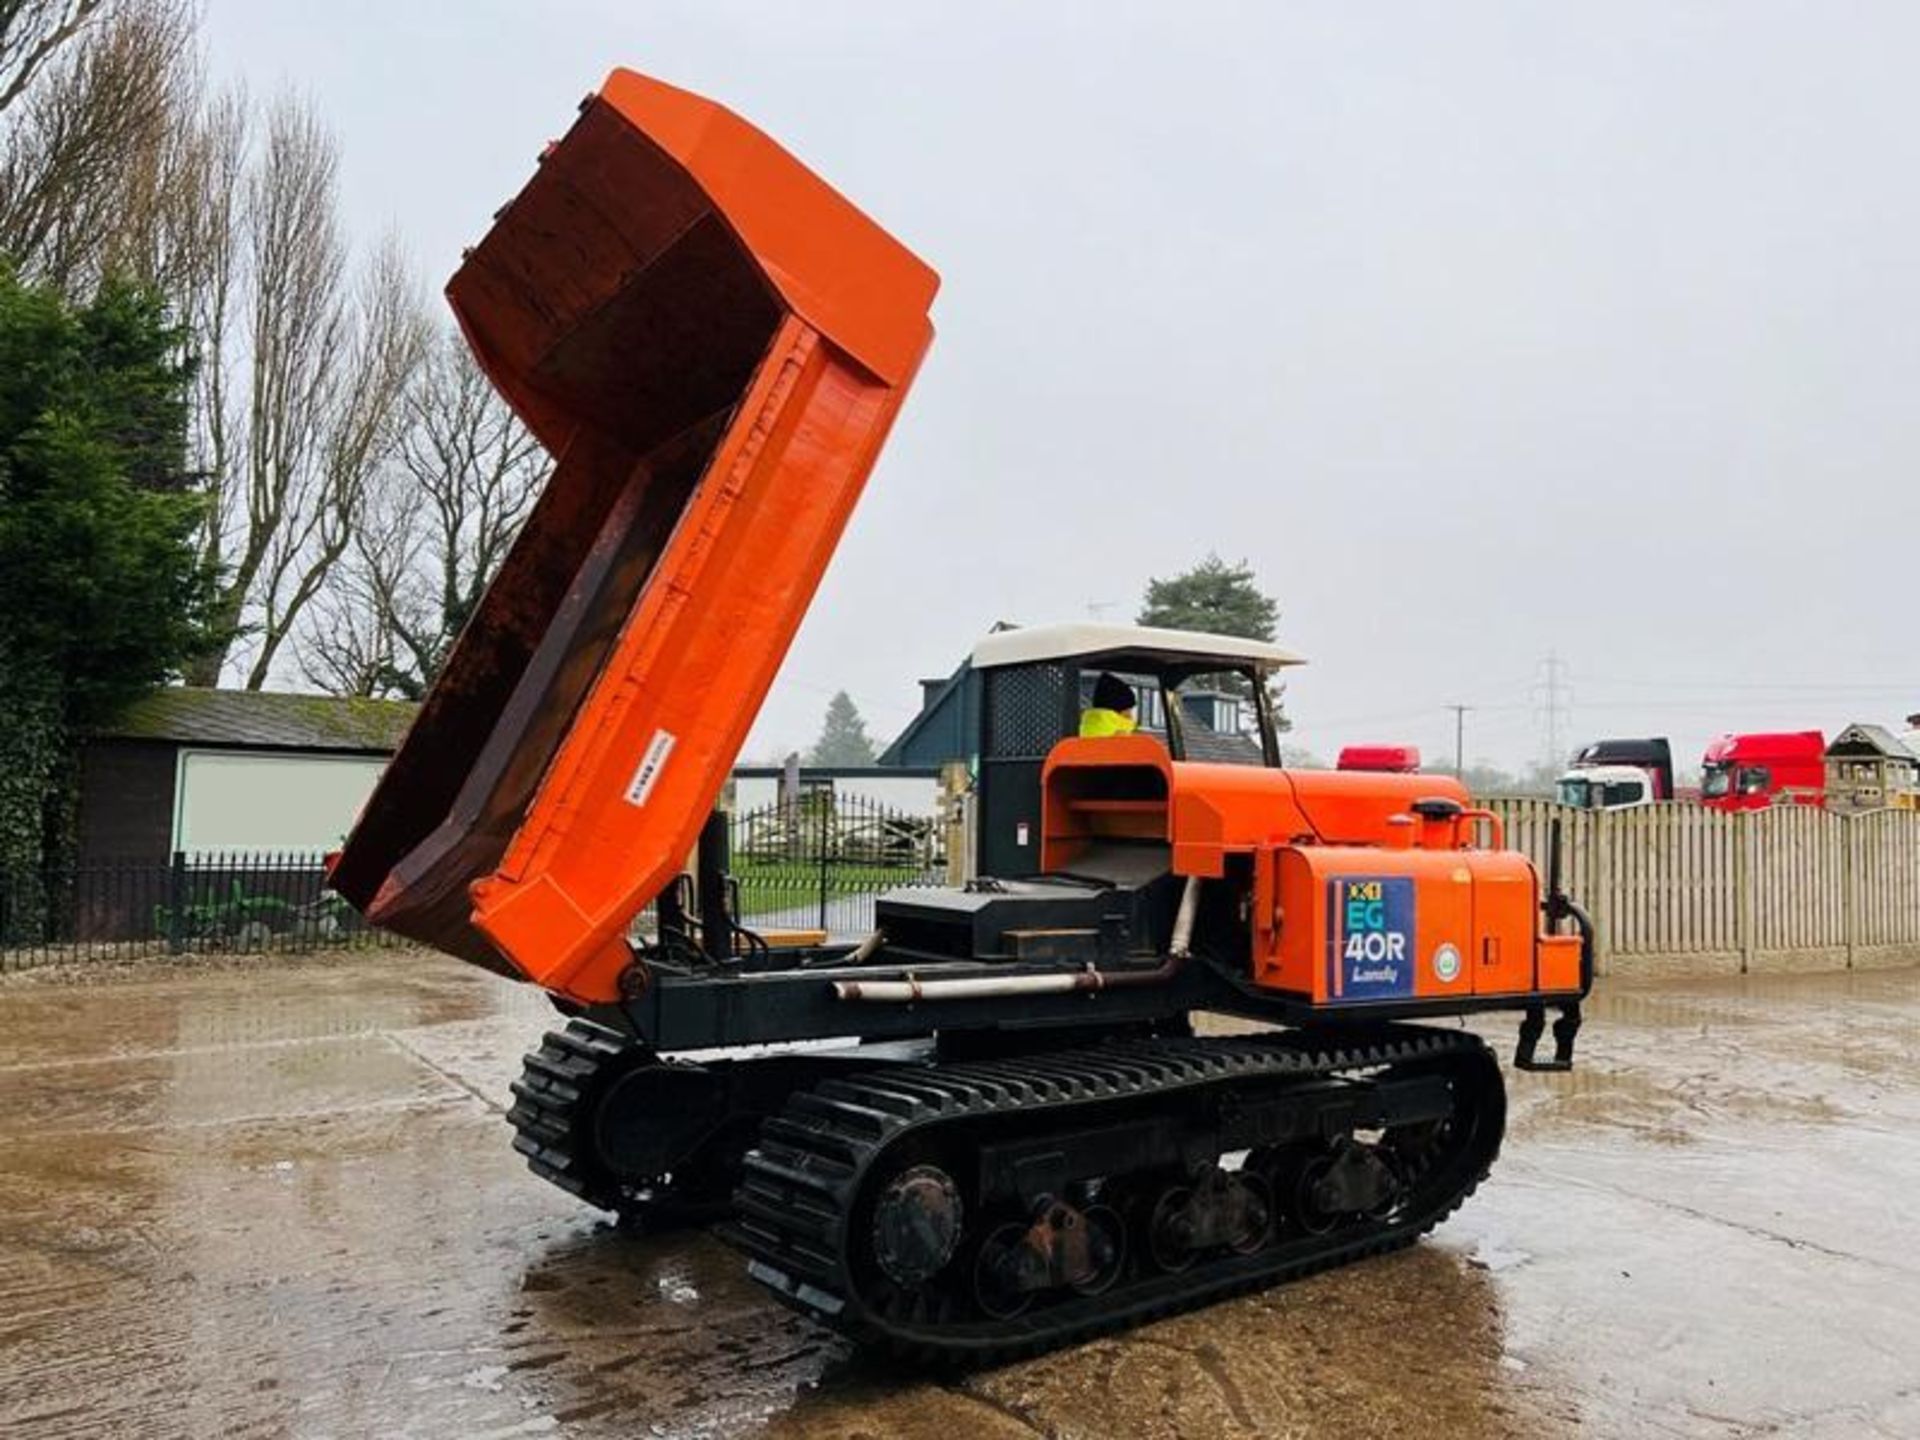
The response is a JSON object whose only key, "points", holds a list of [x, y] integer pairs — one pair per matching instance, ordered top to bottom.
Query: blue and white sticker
{"points": [[1370, 938]]}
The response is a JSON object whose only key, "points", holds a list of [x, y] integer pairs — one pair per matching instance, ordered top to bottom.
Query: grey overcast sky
{"points": [[1482, 331]]}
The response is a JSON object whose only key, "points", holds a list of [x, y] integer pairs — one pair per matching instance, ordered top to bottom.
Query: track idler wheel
{"points": [[607, 1120], [1221, 1210]]}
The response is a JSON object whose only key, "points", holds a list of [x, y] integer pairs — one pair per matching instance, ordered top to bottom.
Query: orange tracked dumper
{"points": [[1019, 1139]]}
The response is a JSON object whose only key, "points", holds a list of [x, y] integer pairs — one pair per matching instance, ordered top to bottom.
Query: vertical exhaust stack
{"points": [[712, 343]]}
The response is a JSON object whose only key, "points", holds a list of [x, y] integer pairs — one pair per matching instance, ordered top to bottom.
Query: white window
{"points": [[269, 800]]}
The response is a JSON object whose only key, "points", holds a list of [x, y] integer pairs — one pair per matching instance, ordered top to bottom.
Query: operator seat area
{"points": [[1104, 810]]}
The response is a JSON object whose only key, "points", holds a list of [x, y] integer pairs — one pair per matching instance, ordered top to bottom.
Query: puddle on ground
{"points": [[266, 1203]]}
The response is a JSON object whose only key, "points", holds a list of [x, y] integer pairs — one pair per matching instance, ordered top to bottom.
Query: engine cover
{"points": [[1353, 925]]}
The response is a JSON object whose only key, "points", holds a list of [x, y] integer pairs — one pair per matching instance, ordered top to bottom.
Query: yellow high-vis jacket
{"points": [[1096, 723]]}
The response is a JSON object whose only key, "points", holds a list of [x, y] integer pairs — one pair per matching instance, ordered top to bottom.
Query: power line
{"points": [[1695, 683], [1705, 707], [1307, 720]]}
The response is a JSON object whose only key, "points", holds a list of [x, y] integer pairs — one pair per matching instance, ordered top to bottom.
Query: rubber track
{"points": [[557, 1082], [806, 1176]]}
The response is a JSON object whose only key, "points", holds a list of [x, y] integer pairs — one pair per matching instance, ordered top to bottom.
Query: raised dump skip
{"points": [[712, 343]]}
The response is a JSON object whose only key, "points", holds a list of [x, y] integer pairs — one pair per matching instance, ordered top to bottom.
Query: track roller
{"points": [[968, 1212]]}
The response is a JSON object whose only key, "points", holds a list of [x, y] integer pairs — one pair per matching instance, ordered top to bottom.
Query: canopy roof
{"points": [[1118, 644]]}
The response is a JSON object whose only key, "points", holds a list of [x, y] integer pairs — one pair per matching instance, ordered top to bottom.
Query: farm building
{"points": [[1869, 768], [216, 771]]}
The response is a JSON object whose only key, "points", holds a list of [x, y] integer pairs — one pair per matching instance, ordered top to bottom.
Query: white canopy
{"points": [[1066, 642]]}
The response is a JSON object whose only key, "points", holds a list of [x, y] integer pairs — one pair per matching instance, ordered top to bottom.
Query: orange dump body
{"points": [[712, 343]]}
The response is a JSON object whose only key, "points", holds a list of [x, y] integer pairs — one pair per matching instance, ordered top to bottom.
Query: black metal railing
{"points": [[818, 862], [225, 901]]}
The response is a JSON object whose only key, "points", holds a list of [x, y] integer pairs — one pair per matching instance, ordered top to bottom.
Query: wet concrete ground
{"points": [[280, 1201]]}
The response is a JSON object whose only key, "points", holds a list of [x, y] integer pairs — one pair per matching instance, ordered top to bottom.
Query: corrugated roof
{"points": [[191, 715], [1869, 739]]}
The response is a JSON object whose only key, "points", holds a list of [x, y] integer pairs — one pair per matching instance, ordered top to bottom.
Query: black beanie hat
{"points": [[1110, 692]]}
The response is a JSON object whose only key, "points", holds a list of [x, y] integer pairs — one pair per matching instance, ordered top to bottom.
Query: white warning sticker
{"points": [[651, 764]]}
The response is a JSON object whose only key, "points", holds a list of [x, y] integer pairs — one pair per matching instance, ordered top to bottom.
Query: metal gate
{"points": [[817, 862]]}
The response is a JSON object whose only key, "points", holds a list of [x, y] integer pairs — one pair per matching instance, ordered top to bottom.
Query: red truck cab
{"points": [[1753, 772]]}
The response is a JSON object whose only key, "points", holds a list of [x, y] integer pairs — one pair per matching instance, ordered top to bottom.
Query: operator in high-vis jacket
{"points": [[1111, 712]]}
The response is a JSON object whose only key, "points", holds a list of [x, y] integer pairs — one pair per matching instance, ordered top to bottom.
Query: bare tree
{"points": [[32, 32], [86, 126], [115, 158], [119, 160], [180, 196], [194, 241], [295, 260], [306, 369], [324, 423], [478, 470], [431, 535], [350, 647]]}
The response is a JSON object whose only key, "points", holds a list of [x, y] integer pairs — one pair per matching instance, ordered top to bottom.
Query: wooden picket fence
{"points": [[1677, 888]]}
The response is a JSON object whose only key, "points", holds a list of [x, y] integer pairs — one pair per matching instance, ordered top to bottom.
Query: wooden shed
{"points": [[1870, 768], [204, 771]]}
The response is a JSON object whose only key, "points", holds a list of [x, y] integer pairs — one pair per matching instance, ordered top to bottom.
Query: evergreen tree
{"points": [[101, 596], [1213, 596], [1219, 599], [843, 738]]}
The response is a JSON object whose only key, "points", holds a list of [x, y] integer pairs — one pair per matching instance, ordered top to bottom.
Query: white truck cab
{"points": [[1605, 787]]}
